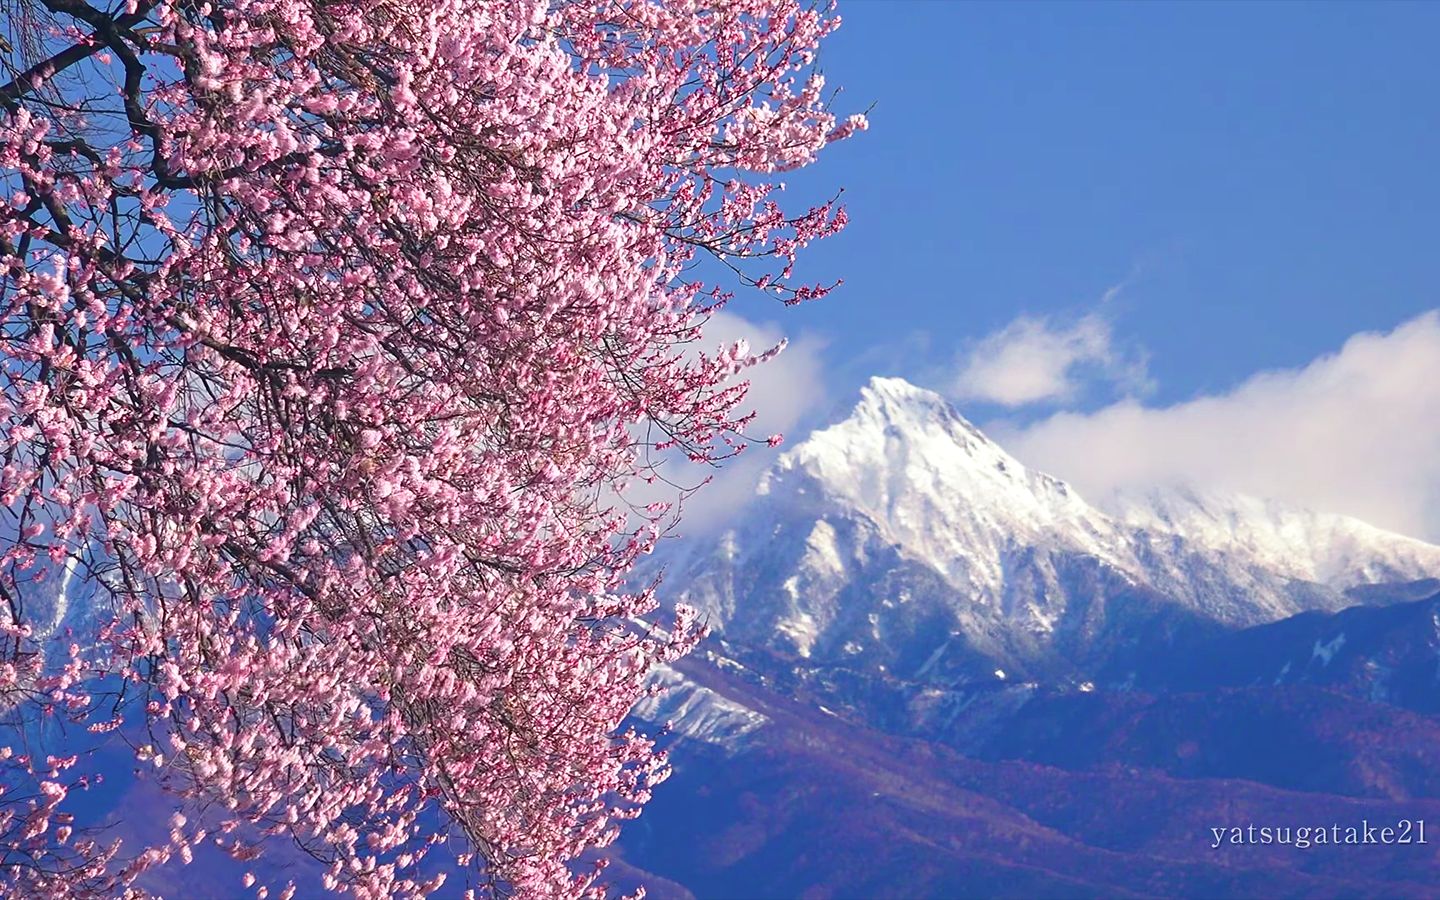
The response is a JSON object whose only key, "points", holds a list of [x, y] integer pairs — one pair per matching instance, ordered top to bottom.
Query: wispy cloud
{"points": [[1042, 359], [1356, 431]]}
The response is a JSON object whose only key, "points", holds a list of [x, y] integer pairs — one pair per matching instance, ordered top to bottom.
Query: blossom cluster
{"points": [[328, 329]]}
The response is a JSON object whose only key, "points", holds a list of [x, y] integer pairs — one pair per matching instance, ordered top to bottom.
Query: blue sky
{"points": [[1251, 185]]}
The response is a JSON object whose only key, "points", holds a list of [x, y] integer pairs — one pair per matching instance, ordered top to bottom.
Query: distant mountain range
{"points": [[936, 672]]}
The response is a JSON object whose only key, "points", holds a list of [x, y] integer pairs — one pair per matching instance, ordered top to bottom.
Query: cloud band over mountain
{"points": [[1356, 432]]}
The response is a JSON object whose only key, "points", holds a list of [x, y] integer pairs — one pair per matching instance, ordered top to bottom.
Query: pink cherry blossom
{"points": [[329, 329]]}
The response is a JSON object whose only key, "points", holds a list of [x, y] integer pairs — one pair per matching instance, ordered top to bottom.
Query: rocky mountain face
{"points": [[936, 672]]}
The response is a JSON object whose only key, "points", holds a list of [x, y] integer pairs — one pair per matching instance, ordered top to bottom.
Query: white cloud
{"points": [[1037, 359], [783, 391], [1356, 432]]}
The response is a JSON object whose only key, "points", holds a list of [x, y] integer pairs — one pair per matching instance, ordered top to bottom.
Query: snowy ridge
{"points": [[937, 486], [903, 542], [1322, 547], [696, 712]]}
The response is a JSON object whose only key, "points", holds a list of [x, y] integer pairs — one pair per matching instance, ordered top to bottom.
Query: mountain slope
{"points": [[1387, 654], [815, 806]]}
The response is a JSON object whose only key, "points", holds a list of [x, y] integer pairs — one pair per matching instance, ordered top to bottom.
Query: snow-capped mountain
{"points": [[903, 542], [938, 672]]}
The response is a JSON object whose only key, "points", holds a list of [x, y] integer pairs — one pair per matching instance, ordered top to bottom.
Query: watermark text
{"points": [[1399, 831]]}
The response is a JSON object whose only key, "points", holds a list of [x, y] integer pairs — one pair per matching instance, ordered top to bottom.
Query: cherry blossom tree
{"points": [[334, 332]]}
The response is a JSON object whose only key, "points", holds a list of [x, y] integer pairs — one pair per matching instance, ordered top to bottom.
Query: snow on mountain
{"points": [[937, 486], [902, 542], [1322, 547], [697, 712]]}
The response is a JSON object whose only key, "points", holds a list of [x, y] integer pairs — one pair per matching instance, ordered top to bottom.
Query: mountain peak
{"points": [[890, 390], [897, 401], [896, 425], [915, 436], [932, 481]]}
